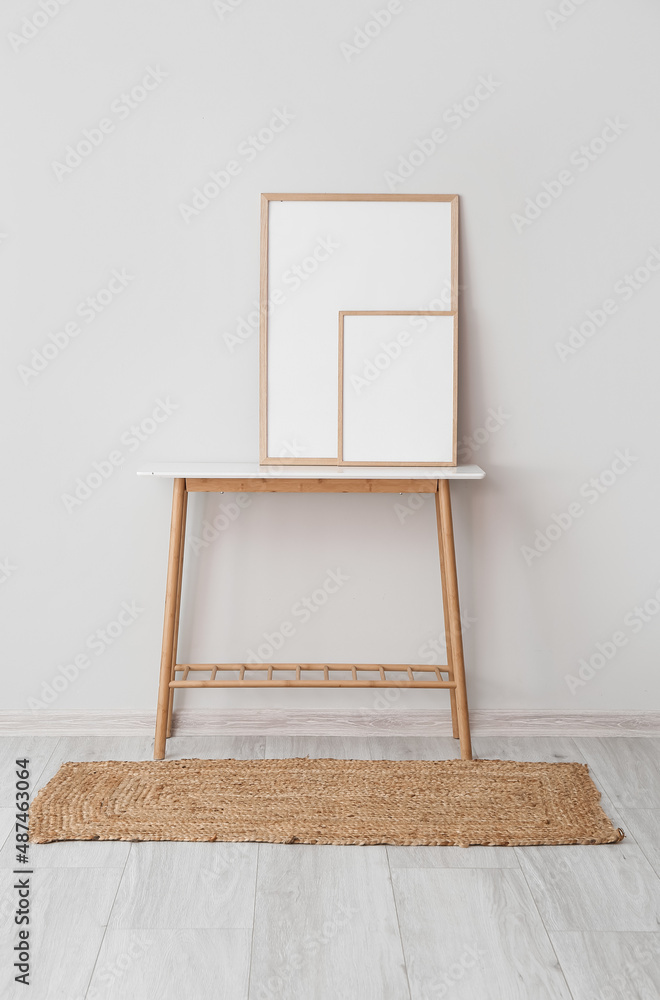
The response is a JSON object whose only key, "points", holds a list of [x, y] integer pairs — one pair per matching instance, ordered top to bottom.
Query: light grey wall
{"points": [[355, 99]]}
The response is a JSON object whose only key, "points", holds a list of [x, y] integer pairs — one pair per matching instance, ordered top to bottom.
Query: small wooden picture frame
{"points": [[326, 253], [397, 388]]}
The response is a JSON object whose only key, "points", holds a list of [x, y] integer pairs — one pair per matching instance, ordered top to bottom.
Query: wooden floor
{"points": [[294, 922]]}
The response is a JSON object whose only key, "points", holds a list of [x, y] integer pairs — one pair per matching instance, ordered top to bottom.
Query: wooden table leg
{"points": [[445, 610], [169, 624], [454, 637], [175, 641]]}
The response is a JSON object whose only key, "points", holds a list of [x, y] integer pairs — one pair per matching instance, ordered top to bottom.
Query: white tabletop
{"points": [[221, 470]]}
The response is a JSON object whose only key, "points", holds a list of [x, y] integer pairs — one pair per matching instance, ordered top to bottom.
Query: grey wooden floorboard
{"points": [[215, 747], [339, 747], [37, 748], [89, 748], [413, 748], [531, 748], [629, 768], [644, 826], [6, 827], [71, 854], [74, 854], [452, 857], [187, 885], [605, 887], [7, 907], [69, 912], [325, 925], [474, 935], [200, 964], [609, 966]]}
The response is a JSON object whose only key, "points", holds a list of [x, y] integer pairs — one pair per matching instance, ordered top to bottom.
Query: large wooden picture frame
{"points": [[325, 254]]}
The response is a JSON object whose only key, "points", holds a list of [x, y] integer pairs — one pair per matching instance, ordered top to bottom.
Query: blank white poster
{"points": [[325, 256], [397, 393]]}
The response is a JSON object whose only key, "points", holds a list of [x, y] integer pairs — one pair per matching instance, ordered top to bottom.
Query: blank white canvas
{"points": [[327, 256], [398, 401]]}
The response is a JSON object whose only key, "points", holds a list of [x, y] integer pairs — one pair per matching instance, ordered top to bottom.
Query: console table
{"points": [[222, 478]]}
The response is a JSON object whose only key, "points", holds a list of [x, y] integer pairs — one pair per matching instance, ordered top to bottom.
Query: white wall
{"points": [[167, 335]]}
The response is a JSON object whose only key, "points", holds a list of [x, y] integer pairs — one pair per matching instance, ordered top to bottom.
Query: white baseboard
{"points": [[326, 722]]}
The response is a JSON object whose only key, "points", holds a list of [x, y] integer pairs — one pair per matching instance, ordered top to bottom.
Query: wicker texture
{"points": [[323, 801]]}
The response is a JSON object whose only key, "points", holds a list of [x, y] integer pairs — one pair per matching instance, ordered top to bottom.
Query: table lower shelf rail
{"points": [[307, 675]]}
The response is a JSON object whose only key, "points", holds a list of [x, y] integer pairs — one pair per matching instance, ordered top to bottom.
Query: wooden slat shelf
{"points": [[306, 675]]}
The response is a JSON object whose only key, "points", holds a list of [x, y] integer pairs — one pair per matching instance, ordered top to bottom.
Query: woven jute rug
{"points": [[323, 801]]}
